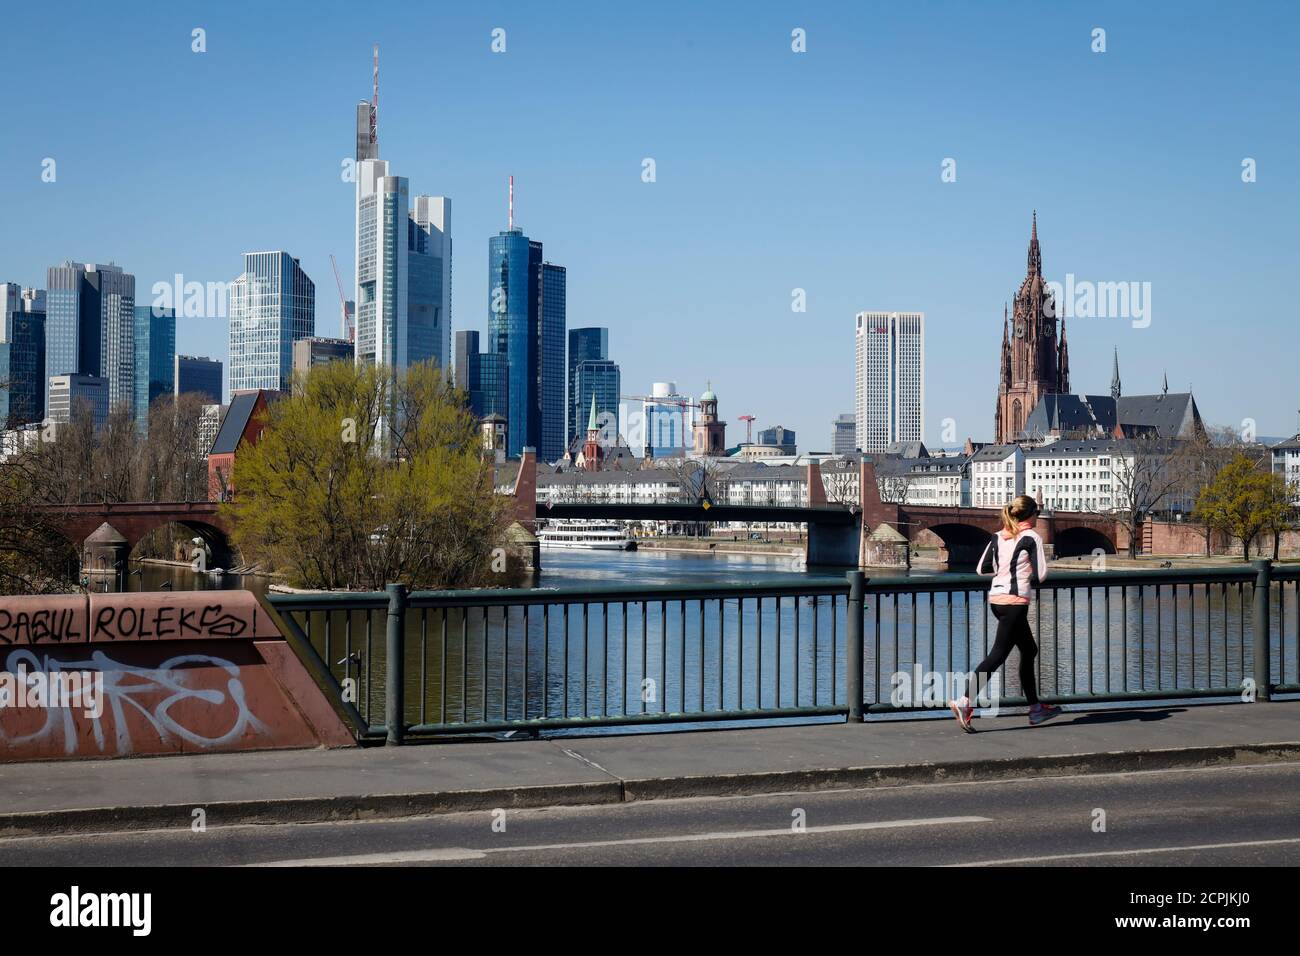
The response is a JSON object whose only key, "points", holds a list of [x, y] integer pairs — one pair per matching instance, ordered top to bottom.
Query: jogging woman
{"points": [[1015, 560]]}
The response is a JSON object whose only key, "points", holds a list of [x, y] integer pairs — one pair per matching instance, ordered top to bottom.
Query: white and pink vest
{"points": [[1017, 564]]}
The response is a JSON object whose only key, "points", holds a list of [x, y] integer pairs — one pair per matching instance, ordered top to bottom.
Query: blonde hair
{"points": [[1021, 508]]}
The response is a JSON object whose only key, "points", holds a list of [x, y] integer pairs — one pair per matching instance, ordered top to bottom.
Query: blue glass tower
{"points": [[526, 319], [155, 355]]}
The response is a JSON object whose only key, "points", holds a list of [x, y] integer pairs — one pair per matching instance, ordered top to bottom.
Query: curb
{"points": [[304, 810]]}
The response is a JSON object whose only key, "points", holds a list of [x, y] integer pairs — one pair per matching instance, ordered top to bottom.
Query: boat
{"points": [[588, 535]]}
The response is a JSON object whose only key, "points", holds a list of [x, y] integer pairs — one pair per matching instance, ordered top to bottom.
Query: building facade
{"points": [[429, 289], [272, 305], [526, 322], [90, 326], [318, 350], [155, 358], [1034, 360], [22, 369], [199, 375], [890, 379], [69, 392], [667, 420], [778, 436], [844, 437], [1285, 457], [997, 475]]}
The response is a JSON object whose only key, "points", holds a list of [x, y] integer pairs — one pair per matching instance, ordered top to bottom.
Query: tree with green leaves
{"points": [[363, 477], [1244, 500]]}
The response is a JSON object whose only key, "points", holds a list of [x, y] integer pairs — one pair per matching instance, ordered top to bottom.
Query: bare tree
{"points": [[1145, 473]]}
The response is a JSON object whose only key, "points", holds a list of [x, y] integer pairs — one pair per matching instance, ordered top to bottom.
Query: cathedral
{"points": [[1035, 361]]}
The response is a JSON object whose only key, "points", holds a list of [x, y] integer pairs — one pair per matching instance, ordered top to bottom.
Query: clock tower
{"points": [[1035, 359]]}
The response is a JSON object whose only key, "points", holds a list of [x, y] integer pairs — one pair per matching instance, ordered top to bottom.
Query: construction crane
{"points": [[349, 330], [681, 403], [749, 427]]}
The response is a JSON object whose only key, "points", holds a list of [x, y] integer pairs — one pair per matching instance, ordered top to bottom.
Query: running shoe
{"points": [[962, 710], [1042, 712]]}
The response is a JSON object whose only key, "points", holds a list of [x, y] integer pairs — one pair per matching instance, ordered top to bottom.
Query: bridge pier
{"points": [[833, 545], [104, 554]]}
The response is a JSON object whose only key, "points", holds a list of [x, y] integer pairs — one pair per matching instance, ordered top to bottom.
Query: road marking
{"points": [[1139, 852], [464, 853]]}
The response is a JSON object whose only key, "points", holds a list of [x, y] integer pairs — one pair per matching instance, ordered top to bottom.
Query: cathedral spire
{"points": [[1035, 255], [1063, 363], [1114, 378]]}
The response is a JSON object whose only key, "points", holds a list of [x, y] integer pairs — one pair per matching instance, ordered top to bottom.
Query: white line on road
{"points": [[1137, 852], [464, 853]]}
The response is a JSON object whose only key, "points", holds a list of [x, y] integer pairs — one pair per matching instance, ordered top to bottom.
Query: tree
{"points": [[1203, 457], [1144, 473], [362, 478], [1244, 500]]}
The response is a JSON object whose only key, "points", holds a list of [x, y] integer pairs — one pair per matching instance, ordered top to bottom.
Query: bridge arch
{"points": [[1081, 539], [964, 542], [223, 553]]}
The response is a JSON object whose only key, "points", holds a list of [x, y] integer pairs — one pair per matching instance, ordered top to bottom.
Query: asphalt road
{"points": [[1242, 815]]}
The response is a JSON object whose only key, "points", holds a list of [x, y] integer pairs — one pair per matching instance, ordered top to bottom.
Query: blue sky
{"points": [[775, 171]]}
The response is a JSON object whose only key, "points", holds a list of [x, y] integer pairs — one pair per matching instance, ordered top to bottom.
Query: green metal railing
{"points": [[429, 664]]}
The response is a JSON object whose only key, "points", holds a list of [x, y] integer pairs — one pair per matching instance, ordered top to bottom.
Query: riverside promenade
{"points": [[328, 785]]}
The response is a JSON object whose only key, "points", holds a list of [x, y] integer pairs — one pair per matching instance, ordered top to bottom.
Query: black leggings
{"points": [[1013, 631]]}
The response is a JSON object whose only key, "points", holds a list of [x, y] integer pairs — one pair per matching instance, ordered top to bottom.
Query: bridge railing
{"points": [[431, 664]]}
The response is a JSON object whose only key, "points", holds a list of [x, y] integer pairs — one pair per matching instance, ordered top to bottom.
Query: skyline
{"points": [[686, 307]]}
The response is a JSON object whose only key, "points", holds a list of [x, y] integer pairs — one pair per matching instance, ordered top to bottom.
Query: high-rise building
{"points": [[429, 293], [272, 305], [526, 319], [90, 326], [317, 351], [22, 355], [155, 358], [1034, 361], [467, 368], [591, 371], [199, 375], [599, 380], [890, 390], [68, 392], [666, 421], [778, 436], [844, 437]]}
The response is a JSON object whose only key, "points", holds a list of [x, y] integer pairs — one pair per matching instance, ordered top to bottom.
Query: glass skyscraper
{"points": [[403, 254], [272, 305], [526, 319], [90, 326], [155, 353], [22, 357], [591, 371], [200, 375]]}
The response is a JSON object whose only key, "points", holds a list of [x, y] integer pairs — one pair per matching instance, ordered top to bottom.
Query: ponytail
{"points": [[1021, 508]]}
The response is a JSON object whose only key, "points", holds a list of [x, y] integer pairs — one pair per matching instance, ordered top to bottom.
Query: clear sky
{"points": [[775, 170]]}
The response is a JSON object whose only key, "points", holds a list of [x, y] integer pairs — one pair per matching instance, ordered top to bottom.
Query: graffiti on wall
{"points": [[197, 700]]}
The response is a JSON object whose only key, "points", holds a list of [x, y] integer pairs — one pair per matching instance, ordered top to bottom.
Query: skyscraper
{"points": [[403, 259], [429, 295], [272, 305], [526, 319], [90, 326], [585, 345], [22, 355], [155, 358], [1034, 362], [199, 375], [890, 388], [844, 434]]}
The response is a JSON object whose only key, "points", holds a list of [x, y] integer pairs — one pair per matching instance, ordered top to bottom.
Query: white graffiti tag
{"points": [[124, 688]]}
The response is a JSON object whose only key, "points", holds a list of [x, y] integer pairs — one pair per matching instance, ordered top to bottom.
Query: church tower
{"points": [[1035, 361], [710, 432]]}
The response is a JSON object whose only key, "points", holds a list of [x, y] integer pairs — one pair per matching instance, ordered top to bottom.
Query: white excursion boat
{"points": [[597, 535]]}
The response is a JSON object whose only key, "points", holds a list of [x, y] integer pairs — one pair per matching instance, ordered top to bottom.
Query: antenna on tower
{"points": [[374, 106], [510, 211]]}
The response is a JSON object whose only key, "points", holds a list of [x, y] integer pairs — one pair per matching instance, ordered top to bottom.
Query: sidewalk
{"points": [[322, 785]]}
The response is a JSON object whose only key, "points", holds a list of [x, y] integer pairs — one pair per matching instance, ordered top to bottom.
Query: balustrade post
{"points": [[1260, 626], [853, 650], [395, 666]]}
